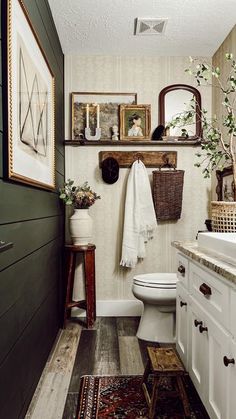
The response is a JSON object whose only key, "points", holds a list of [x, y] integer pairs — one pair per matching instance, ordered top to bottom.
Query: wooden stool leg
{"points": [[70, 272], [90, 289], [146, 372], [144, 381], [183, 396], [152, 408]]}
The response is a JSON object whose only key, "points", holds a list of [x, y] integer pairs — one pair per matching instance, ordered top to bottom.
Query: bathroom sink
{"points": [[219, 243]]}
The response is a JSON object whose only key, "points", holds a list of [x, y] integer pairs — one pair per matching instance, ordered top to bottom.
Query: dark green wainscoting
{"points": [[31, 271]]}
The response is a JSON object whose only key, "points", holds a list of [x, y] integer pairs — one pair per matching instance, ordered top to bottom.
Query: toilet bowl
{"points": [[157, 291]]}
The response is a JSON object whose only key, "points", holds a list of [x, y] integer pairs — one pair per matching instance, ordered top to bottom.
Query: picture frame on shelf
{"points": [[29, 102], [109, 116], [135, 122], [225, 186]]}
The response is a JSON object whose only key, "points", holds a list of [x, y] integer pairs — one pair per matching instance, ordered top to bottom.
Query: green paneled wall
{"points": [[31, 272]]}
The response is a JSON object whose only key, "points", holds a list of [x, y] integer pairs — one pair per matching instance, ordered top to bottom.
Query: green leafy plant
{"points": [[218, 145], [81, 197]]}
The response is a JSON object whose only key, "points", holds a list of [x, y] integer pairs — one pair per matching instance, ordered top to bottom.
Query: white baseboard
{"points": [[114, 308]]}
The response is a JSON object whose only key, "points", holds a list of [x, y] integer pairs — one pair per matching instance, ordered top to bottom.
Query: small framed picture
{"points": [[135, 122], [225, 186]]}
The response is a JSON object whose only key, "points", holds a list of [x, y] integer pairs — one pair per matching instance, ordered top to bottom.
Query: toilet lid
{"points": [[157, 280]]}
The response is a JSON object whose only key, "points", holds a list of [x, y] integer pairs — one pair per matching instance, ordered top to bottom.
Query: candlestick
{"points": [[87, 115], [98, 116], [90, 137]]}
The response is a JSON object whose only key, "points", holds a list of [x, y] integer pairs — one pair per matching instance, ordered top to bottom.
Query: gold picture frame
{"points": [[29, 99], [135, 122]]}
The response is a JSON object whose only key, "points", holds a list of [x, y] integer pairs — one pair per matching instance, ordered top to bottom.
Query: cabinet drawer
{"points": [[182, 269], [211, 293]]}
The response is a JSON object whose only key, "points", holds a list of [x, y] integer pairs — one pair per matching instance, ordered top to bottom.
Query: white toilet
{"points": [[157, 291]]}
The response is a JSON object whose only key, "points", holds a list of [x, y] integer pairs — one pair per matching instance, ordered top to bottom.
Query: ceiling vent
{"points": [[150, 26]]}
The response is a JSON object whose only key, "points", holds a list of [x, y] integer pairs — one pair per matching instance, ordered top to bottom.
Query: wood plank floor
{"points": [[110, 348]]}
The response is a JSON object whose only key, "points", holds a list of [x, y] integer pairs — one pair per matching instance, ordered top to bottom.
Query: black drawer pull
{"points": [[181, 270], [205, 289], [182, 304], [197, 323], [202, 329], [228, 361]]}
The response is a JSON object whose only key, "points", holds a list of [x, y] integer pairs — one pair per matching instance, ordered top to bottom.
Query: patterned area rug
{"points": [[121, 397]]}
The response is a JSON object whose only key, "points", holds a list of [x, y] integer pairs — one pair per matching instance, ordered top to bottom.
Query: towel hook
{"points": [[138, 157], [166, 162]]}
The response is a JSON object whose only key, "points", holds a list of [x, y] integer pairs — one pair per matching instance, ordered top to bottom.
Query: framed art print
{"points": [[29, 103], [109, 111], [135, 122], [225, 185]]}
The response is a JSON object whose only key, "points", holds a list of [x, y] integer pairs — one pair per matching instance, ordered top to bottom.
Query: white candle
{"points": [[87, 115], [98, 115]]}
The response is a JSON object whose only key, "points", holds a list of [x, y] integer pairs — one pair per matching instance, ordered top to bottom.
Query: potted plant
{"points": [[218, 139], [81, 198]]}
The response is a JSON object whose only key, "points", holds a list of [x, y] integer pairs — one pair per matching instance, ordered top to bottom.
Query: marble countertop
{"points": [[215, 263]]}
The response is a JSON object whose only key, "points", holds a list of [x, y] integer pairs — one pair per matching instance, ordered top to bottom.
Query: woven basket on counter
{"points": [[168, 193], [223, 216]]}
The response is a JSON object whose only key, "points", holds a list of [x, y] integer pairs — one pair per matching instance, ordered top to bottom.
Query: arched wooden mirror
{"points": [[173, 100]]}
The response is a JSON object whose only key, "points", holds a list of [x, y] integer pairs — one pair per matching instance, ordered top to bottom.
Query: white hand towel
{"points": [[140, 218]]}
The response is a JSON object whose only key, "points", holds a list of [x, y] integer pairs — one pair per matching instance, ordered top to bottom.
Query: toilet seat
{"points": [[156, 280]]}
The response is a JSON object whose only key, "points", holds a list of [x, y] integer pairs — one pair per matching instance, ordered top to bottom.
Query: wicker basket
{"points": [[167, 193], [223, 215]]}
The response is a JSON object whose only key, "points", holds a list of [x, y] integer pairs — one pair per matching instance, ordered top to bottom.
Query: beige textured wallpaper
{"points": [[218, 60], [146, 76]]}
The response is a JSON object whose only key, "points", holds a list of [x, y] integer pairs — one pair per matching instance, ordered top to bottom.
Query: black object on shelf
{"points": [[158, 133], [208, 225]]}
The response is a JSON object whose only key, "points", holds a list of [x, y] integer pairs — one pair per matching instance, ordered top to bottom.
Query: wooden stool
{"points": [[89, 304], [163, 362]]}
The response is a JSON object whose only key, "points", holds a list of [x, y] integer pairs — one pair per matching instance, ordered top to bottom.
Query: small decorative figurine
{"points": [[115, 135]]}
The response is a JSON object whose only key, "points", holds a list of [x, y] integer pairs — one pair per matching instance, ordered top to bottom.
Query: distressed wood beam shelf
{"points": [[102, 143], [149, 158]]}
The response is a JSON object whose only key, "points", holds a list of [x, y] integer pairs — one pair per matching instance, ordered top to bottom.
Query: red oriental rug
{"points": [[122, 397]]}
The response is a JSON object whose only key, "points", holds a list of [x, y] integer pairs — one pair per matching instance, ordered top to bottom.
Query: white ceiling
{"points": [[106, 27]]}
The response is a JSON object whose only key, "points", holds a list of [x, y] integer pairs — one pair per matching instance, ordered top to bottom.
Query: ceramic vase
{"points": [[81, 226]]}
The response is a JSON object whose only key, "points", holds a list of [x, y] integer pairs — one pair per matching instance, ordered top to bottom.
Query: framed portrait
{"points": [[28, 101], [109, 112], [135, 122], [225, 185]]}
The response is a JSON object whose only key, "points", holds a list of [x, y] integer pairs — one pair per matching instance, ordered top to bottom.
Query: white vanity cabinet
{"points": [[183, 270], [211, 293], [182, 308], [182, 323], [205, 337], [209, 343], [218, 346], [197, 349], [230, 361]]}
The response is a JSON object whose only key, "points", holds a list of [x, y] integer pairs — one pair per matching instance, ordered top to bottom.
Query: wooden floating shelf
{"points": [[102, 143], [149, 158]]}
